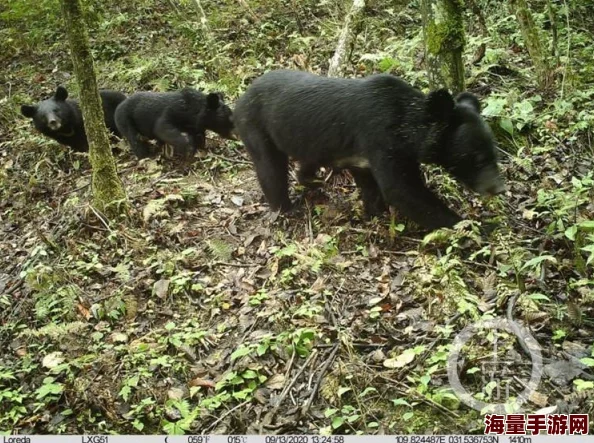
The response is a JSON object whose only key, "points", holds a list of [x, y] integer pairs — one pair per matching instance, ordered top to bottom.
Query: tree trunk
{"points": [[250, 11], [203, 19], [482, 24], [555, 31], [533, 41], [444, 42], [210, 45], [336, 66], [106, 185]]}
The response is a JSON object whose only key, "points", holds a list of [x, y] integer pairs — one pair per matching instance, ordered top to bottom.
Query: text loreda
{"points": [[16, 439]]}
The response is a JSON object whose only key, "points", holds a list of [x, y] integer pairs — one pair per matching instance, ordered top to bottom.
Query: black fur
{"points": [[177, 118], [61, 119], [380, 128]]}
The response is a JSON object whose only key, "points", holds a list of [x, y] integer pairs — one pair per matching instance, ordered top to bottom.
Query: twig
{"points": [[174, 6], [250, 11], [203, 18], [568, 30], [504, 152], [230, 160], [161, 178], [80, 188], [101, 218], [309, 223], [360, 231], [45, 240], [403, 253], [236, 265], [14, 287], [329, 308], [510, 318], [290, 365], [286, 390], [421, 397], [307, 405], [226, 414], [269, 417]]}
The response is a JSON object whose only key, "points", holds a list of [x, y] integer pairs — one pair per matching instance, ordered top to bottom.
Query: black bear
{"points": [[177, 118], [62, 120], [380, 128]]}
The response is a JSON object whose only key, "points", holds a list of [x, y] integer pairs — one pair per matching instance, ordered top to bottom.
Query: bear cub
{"points": [[178, 118], [61, 119], [379, 128]]}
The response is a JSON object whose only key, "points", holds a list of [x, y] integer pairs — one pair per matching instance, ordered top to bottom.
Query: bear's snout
{"points": [[54, 123], [234, 135], [489, 182], [497, 188]]}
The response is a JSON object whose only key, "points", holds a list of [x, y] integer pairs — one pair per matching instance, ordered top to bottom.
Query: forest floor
{"points": [[203, 313]]}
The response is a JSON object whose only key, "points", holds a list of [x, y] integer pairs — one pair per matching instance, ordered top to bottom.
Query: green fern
{"points": [[219, 249], [55, 331]]}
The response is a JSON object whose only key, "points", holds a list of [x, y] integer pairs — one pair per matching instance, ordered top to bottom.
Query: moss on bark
{"points": [[533, 41], [444, 42], [108, 191]]}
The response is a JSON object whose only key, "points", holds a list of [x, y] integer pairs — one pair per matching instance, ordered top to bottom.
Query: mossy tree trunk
{"points": [[443, 27], [534, 43], [336, 65], [108, 191]]}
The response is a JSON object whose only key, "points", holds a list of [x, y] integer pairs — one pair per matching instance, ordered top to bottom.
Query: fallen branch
{"points": [[235, 265], [287, 388], [309, 401], [226, 414], [269, 417]]}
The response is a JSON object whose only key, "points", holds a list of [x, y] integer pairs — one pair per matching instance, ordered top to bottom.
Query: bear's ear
{"points": [[61, 94], [213, 100], [469, 100], [440, 105], [28, 111]]}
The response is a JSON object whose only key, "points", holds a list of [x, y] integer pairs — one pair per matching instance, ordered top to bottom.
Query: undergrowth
{"points": [[200, 313]]}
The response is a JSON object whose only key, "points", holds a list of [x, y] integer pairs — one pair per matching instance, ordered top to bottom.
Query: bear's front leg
{"points": [[173, 136], [197, 141], [139, 144], [403, 188], [373, 201]]}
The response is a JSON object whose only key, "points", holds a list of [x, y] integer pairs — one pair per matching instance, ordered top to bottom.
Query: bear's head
{"points": [[51, 115], [219, 117], [462, 142]]}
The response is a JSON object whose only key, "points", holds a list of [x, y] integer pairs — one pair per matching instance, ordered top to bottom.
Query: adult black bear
{"points": [[177, 118], [62, 120], [380, 128]]}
